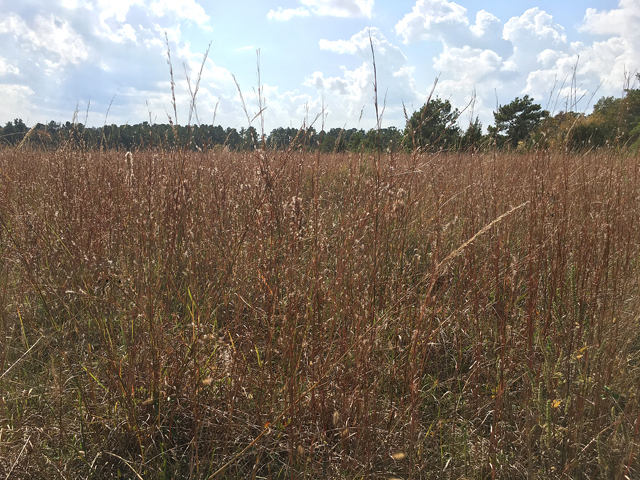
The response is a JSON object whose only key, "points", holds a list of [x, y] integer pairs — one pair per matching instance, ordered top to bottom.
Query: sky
{"points": [[309, 60]]}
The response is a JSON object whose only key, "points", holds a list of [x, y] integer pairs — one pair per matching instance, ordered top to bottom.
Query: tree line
{"points": [[520, 124]]}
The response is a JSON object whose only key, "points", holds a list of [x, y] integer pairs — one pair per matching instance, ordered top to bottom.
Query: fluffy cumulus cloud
{"points": [[329, 8], [340, 8], [184, 9], [283, 15], [432, 20], [622, 21], [449, 23], [485, 24], [534, 26], [49, 33], [531, 33], [64, 51], [56, 53], [113, 53], [528, 54], [612, 57], [469, 65], [601, 65], [7, 68], [352, 91], [218, 97], [17, 98], [289, 109]]}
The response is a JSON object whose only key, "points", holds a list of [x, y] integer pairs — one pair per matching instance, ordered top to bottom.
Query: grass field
{"points": [[303, 315]]}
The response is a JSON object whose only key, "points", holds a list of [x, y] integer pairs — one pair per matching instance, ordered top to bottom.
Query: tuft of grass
{"points": [[293, 315]]}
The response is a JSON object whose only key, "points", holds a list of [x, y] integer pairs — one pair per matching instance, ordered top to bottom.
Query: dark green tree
{"points": [[619, 117], [516, 120], [433, 127], [13, 133], [472, 135], [281, 138], [329, 139], [388, 139], [356, 140]]}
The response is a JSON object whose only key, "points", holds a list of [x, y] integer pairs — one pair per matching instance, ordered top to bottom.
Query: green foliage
{"points": [[516, 120], [614, 122], [433, 127], [564, 130], [13, 133], [473, 135], [281, 138], [387, 139], [333, 141]]}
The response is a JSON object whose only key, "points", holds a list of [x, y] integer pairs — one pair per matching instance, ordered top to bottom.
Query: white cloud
{"points": [[70, 4], [325, 8], [340, 8], [116, 9], [183, 9], [287, 14], [113, 15], [431, 20], [623, 21], [485, 23], [532, 28], [50, 33], [122, 34], [173, 34], [535, 39], [339, 46], [71, 50], [389, 55], [485, 57], [548, 57], [612, 58], [608, 61], [601, 64], [468, 65], [6, 68], [471, 71], [217, 84], [339, 85], [353, 89], [16, 98], [288, 109]]}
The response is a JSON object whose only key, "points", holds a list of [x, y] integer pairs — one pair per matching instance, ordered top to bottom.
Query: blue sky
{"points": [[104, 56]]}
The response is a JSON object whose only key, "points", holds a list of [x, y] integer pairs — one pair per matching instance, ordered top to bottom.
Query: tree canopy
{"points": [[516, 120], [433, 127]]}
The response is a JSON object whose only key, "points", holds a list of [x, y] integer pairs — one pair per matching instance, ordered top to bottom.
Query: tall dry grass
{"points": [[295, 315]]}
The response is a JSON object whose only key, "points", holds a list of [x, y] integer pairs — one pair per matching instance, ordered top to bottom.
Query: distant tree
{"points": [[619, 117], [516, 120], [614, 121], [433, 127], [563, 130], [13, 133], [473, 135], [249, 138], [281, 138], [233, 139], [329, 139], [387, 139], [356, 140]]}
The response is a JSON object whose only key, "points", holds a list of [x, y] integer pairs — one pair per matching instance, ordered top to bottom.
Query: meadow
{"points": [[294, 314]]}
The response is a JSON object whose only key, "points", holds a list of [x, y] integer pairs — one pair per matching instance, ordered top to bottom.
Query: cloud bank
{"points": [[325, 8], [113, 54]]}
